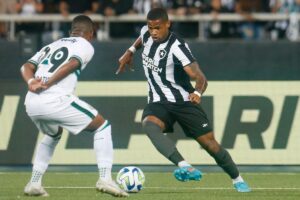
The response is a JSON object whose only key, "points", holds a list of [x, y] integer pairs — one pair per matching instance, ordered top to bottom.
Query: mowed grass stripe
{"points": [[209, 173], [160, 186]]}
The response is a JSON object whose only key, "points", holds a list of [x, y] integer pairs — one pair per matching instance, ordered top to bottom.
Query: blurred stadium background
{"points": [[248, 49]]}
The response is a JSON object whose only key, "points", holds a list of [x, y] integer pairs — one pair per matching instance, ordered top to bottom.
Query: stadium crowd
{"points": [[248, 29]]}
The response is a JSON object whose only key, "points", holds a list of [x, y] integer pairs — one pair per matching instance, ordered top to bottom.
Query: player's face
{"points": [[158, 29]]}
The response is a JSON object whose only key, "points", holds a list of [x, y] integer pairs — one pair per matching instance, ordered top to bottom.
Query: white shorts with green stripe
{"points": [[69, 112]]}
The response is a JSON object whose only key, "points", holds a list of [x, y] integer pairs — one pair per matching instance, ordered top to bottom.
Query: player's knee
{"points": [[149, 120], [96, 123], [151, 127], [57, 135], [50, 141], [211, 146]]}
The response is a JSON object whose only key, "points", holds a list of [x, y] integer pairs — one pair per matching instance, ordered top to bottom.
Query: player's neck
{"points": [[166, 38]]}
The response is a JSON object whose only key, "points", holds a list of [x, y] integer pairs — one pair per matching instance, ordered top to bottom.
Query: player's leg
{"points": [[81, 117], [156, 120], [198, 127], [154, 128], [103, 147], [43, 156], [223, 159]]}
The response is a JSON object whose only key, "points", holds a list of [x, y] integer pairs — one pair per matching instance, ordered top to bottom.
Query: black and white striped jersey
{"points": [[164, 64]]}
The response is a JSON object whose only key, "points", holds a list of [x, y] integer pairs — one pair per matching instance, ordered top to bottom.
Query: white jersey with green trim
{"points": [[53, 56]]}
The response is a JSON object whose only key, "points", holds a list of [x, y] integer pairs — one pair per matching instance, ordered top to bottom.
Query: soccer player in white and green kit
{"points": [[51, 75]]}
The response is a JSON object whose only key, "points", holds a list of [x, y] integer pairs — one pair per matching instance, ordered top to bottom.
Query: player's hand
{"points": [[125, 61], [36, 85], [45, 86], [194, 98]]}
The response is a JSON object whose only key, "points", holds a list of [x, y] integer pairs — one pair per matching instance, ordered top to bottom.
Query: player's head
{"points": [[158, 24], [82, 26]]}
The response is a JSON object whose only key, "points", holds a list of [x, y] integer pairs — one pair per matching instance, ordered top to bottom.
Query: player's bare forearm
{"points": [[138, 43], [127, 58], [27, 71], [62, 72], [195, 73]]}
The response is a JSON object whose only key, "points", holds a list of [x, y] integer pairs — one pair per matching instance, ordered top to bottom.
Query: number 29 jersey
{"points": [[53, 56]]}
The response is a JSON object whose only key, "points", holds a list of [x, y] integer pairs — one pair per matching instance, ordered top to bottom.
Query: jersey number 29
{"points": [[58, 57]]}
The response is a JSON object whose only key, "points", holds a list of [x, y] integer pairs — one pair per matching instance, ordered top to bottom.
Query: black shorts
{"points": [[190, 117]]}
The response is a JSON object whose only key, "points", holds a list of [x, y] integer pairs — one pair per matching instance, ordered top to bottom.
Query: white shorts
{"points": [[68, 112]]}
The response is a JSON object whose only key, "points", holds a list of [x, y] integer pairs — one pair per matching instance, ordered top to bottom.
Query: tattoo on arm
{"points": [[199, 77]]}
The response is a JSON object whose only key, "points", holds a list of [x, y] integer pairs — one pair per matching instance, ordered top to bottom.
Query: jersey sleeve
{"points": [[83, 51], [183, 53], [37, 58]]}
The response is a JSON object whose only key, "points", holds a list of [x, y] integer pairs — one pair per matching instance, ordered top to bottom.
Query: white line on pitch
{"points": [[262, 173], [173, 188]]}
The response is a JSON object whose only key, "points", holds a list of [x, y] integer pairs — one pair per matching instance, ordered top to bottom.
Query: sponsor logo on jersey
{"points": [[73, 40], [149, 63]]}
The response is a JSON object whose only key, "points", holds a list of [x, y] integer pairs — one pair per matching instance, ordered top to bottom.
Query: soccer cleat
{"points": [[187, 173], [242, 187], [110, 188], [35, 189]]}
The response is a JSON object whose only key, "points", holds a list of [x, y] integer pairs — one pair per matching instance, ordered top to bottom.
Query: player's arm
{"points": [[127, 58], [68, 68], [27, 72], [195, 73]]}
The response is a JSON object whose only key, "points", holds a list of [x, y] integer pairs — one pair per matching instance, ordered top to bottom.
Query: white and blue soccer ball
{"points": [[131, 179]]}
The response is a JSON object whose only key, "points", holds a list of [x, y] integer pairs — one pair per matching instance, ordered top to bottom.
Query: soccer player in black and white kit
{"points": [[169, 65]]}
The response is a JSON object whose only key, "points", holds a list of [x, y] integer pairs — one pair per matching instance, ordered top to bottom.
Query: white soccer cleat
{"points": [[110, 187], [35, 189]]}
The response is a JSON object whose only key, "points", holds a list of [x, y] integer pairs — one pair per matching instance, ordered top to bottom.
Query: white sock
{"points": [[104, 151], [42, 158], [183, 164], [105, 173], [36, 177], [237, 180]]}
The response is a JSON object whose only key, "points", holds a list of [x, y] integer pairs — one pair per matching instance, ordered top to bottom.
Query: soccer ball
{"points": [[131, 179]]}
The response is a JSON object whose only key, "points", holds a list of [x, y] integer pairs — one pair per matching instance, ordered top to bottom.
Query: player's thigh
{"points": [[160, 111], [76, 117], [192, 119], [46, 126]]}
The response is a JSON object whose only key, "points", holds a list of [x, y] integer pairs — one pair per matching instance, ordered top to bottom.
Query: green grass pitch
{"points": [[158, 186]]}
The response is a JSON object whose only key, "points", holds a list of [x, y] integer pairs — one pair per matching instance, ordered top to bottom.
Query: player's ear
{"points": [[168, 24], [88, 35], [91, 35]]}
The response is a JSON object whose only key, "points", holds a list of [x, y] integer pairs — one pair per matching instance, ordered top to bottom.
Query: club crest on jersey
{"points": [[162, 53]]}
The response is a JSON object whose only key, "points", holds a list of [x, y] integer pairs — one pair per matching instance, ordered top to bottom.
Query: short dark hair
{"points": [[157, 13], [82, 22]]}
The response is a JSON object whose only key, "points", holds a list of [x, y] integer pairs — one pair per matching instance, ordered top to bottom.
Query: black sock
{"points": [[162, 142], [225, 161]]}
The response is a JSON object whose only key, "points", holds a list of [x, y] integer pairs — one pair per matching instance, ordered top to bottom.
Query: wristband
{"points": [[132, 49], [30, 80], [197, 93]]}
